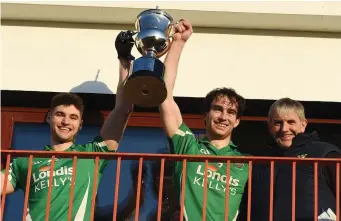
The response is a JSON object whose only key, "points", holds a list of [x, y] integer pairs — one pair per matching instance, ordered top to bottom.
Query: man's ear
{"points": [[48, 117], [237, 123], [269, 123], [80, 125], [304, 125]]}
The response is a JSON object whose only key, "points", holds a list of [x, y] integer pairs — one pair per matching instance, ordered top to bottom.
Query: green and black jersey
{"points": [[184, 142], [61, 183]]}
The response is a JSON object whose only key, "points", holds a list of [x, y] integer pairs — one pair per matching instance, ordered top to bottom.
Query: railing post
{"points": [[272, 167], [183, 183], [28, 185], [117, 185], [72, 187], [94, 189], [227, 190], [205, 191], [315, 191], [249, 192], [293, 192], [338, 192], [49, 193], [138, 194], [3, 197], [159, 207]]}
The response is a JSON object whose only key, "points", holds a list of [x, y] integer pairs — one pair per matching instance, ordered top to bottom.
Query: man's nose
{"points": [[223, 115], [65, 120], [285, 127]]}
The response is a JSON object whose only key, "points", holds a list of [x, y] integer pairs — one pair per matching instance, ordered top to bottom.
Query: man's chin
{"points": [[220, 135], [64, 139], [284, 145]]}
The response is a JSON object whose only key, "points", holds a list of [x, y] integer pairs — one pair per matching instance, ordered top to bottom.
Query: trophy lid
{"points": [[155, 11]]}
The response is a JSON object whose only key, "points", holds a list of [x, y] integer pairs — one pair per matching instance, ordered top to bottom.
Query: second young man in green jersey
{"points": [[224, 108]]}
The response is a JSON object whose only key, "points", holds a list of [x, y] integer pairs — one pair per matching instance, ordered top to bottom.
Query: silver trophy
{"points": [[145, 86]]}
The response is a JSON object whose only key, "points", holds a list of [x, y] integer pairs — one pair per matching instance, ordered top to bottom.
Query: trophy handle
{"points": [[171, 30], [130, 69]]}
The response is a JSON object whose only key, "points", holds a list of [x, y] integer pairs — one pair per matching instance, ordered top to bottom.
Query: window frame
{"points": [[12, 115]]}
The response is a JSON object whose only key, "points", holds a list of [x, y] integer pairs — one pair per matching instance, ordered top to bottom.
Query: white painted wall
{"points": [[259, 64]]}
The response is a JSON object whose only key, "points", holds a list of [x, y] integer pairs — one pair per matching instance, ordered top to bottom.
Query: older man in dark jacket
{"points": [[287, 125]]}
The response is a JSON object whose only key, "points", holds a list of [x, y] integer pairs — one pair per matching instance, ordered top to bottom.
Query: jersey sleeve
{"points": [[182, 142], [97, 145], [13, 174]]}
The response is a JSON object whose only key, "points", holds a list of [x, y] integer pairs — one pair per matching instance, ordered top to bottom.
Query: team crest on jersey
{"points": [[302, 155], [50, 161], [239, 166], [211, 167], [44, 168]]}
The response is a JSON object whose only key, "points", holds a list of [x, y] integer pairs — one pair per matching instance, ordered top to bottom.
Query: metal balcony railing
{"points": [[163, 158]]}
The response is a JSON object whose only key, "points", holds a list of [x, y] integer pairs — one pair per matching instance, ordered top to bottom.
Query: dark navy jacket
{"points": [[307, 146]]}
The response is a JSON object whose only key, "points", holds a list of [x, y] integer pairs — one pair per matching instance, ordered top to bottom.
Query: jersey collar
{"points": [[205, 140], [70, 148]]}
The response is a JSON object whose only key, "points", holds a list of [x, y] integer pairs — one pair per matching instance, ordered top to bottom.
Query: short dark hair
{"points": [[232, 95], [67, 99]]}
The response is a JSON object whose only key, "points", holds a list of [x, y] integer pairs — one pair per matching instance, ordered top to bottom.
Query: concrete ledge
{"points": [[116, 13]]}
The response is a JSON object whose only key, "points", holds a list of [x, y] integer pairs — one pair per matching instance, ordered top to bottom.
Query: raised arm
{"points": [[169, 110], [115, 124]]}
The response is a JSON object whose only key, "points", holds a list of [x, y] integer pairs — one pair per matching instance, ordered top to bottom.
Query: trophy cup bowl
{"points": [[145, 86]]}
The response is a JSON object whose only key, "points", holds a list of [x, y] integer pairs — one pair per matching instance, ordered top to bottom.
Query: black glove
{"points": [[124, 44]]}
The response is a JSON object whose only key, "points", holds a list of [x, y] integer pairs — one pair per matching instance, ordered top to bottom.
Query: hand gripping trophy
{"points": [[145, 86]]}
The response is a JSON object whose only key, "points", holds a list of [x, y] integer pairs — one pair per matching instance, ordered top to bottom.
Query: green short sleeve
{"points": [[183, 141], [98, 145], [13, 174]]}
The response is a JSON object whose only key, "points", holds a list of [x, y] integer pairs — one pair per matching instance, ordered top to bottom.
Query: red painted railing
{"points": [[169, 157]]}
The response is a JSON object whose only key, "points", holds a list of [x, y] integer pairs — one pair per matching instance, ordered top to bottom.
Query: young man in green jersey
{"points": [[223, 110], [65, 120]]}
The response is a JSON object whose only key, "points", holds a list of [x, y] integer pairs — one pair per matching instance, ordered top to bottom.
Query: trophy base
{"points": [[145, 87], [145, 91]]}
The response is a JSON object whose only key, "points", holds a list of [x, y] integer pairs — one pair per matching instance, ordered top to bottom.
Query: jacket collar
{"points": [[304, 138], [300, 140]]}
